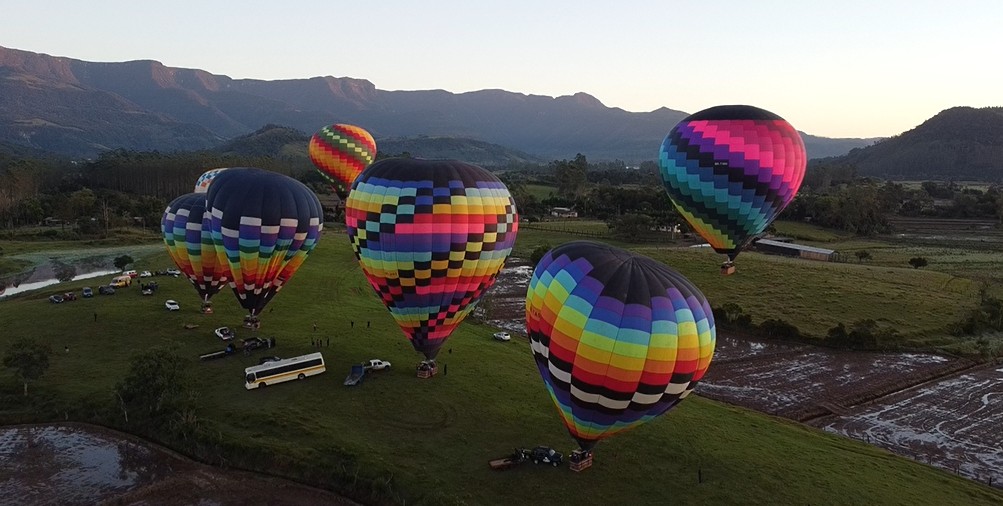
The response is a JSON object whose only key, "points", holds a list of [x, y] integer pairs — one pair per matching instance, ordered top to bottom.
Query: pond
{"points": [[48, 267], [71, 464]]}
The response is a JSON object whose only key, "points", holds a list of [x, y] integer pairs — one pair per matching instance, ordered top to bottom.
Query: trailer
{"points": [[355, 377], [518, 457]]}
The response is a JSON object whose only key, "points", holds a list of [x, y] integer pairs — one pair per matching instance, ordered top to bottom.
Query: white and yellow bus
{"points": [[286, 369]]}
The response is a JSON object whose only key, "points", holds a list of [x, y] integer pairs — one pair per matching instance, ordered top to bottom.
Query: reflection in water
{"points": [[22, 287], [42, 464]]}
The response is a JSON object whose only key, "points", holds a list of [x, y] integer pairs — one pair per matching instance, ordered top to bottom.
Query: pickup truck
{"points": [[377, 365]]}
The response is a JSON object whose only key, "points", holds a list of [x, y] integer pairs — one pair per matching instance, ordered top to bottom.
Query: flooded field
{"points": [[954, 424], [84, 465]]}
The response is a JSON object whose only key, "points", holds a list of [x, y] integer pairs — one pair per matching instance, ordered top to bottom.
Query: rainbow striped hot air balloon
{"points": [[341, 153], [730, 170], [264, 225], [431, 237], [189, 243], [618, 338]]}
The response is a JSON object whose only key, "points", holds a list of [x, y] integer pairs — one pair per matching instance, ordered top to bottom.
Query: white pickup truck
{"points": [[377, 365]]}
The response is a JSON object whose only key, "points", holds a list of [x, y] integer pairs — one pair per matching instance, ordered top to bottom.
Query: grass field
{"points": [[541, 191], [430, 440]]}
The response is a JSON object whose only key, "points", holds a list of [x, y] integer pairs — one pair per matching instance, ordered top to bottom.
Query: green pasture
{"points": [[541, 191], [808, 232], [430, 441]]}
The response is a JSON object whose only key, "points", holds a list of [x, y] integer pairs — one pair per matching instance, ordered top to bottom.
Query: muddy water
{"points": [[83, 465]]}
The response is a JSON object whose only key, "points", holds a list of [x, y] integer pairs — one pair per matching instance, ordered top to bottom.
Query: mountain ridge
{"points": [[80, 108]]}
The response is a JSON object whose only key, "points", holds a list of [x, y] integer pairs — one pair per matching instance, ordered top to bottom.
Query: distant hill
{"points": [[81, 108], [289, 143], [957, 144]]}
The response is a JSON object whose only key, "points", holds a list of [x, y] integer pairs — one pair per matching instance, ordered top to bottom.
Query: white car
{"points": [[173, 272], [145, 274], [172, 305], [225, 333], [502, 336]]}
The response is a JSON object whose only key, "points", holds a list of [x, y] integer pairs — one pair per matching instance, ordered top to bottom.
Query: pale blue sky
{"points": [[838, 68]]}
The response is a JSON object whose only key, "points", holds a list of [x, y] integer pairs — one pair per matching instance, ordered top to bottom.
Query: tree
{"points": [[571, 176], [539, 252], [863, 255], [122, 261], [917, 262], [29, 360], [157, 386]]}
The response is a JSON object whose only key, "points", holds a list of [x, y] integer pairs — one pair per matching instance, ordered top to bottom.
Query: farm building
{"points": [[563, 212], [773, 247]]}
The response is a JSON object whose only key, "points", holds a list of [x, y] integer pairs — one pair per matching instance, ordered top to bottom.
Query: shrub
{"points": [[917, 262], [779, 329]]}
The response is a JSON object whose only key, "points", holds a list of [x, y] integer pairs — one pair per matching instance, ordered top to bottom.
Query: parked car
{"points": [[173, 272], [131, 274], [145, 274], [106, 290], [146, 290], [87, 292], [69, 296], [56, 299], [172, 305], [224, 333], [502, 336], [254, 343], [264, 360], [377, 364], [547, 456]]}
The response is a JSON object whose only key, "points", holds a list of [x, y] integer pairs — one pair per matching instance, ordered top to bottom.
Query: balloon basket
{"points": [[727, 269], [207, 308], [252, 322], [427, 369], [580, 460]]}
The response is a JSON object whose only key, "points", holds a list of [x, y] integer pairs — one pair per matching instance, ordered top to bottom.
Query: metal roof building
{"points": [[795, 250]]}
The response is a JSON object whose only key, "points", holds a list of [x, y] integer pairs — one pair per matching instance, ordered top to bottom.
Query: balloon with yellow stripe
{"points": [[431, 236], [618, 338]]}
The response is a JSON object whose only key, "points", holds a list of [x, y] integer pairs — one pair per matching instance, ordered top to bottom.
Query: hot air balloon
{"points": [[341, 152], [730, 170], [203, 182], [264, 225], [185, 228], [431, 237], [618, 338]]}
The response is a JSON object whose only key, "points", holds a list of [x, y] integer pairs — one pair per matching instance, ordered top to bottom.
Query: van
{"points": [[121, 281]]}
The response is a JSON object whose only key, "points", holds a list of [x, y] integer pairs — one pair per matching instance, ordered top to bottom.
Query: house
{"points": [[563, 212], [774, 247]]}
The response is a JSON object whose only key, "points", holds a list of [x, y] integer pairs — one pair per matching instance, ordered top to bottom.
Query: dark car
{"points": [[106, 290], [87, 292], [69, 296], [55, 299], [254, 343], [546, 455]]}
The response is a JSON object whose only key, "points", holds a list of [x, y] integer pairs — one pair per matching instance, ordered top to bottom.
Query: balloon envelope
{"points": [[341, 153], [730, 170], [203, 182], [264, 225], [185, 228], [431, 237], [618, 338]]}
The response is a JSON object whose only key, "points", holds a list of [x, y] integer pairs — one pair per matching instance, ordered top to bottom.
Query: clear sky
{"points": [[836, 68]]}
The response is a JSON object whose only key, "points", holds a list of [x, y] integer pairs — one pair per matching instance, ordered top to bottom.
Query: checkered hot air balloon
{"points": [[341, 153], [730, 170], [203, 182], [264, 226], [185, 228], [431, 237], [618, 337]]}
